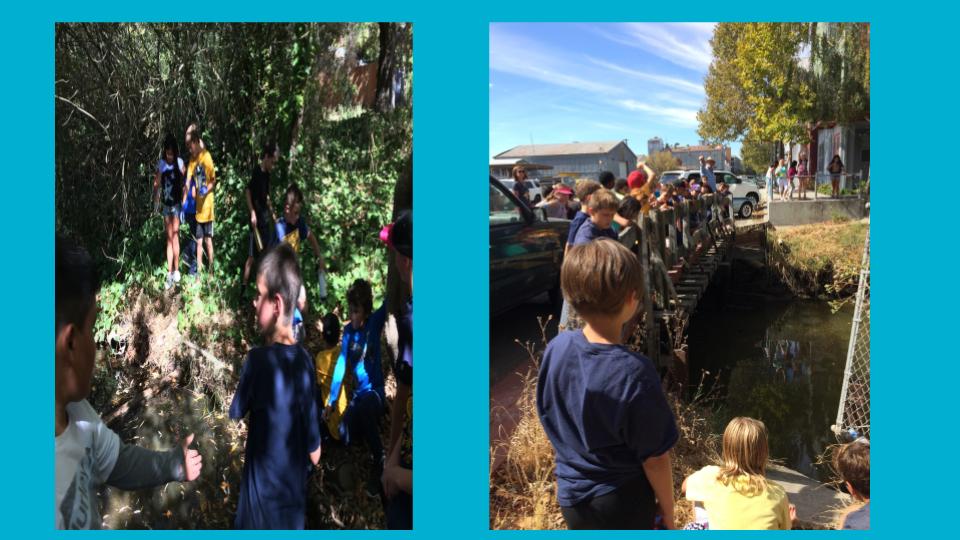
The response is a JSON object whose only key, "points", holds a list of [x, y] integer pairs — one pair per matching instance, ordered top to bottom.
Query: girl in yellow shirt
{"points": [[737, 495]]}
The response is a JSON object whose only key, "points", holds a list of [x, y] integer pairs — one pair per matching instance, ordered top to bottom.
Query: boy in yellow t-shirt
{"points": [[201, 173], [736, 495]]}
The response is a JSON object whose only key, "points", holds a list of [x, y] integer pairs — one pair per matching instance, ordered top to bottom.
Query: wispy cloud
{"points": [[684, 44], [518, 55], [663, 80], [676, 115], [617, 128]]}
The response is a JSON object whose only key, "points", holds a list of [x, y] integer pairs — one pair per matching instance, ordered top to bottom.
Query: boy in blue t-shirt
{"points": [[584, 189], [602, 207], [292, 229], [360, 360], [277, 392], [602, 405]]}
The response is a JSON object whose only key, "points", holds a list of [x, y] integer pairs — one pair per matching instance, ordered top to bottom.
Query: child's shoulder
{"points": [[82, 411], [775, 490]]}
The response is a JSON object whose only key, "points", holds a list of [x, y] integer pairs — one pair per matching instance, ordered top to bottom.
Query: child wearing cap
{"points": [[641, 176], [559, 206]]}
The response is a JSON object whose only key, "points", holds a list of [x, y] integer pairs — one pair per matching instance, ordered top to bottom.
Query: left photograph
{"points": [[233, 282]]}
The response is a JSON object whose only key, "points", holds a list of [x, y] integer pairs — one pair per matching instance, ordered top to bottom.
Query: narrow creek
{"points": [[779, 361]]}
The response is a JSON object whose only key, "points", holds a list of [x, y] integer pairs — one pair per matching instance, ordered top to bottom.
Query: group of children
{"points": [[186, 195], [292, 401], [604, 410]]}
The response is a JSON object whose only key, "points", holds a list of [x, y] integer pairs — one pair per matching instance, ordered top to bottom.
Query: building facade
{"points": [[654, 145], [578, 160]]}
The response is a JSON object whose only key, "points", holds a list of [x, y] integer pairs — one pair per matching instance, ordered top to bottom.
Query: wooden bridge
{"points": [[680, 250]]}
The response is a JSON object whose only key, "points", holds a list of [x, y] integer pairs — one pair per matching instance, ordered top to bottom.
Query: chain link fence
{"points": [[853, 415]]}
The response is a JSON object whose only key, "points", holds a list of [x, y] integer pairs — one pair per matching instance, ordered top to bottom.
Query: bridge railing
{"points": [[667, 241]]}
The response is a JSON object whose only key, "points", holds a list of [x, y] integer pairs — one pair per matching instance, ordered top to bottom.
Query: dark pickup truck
{"points": [[526, 251]]}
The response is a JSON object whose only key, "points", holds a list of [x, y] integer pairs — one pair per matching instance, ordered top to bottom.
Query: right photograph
{"points": [[679, 275]]}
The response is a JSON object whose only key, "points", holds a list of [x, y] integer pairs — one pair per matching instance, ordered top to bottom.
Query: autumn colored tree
{"points": [[663, 161]]}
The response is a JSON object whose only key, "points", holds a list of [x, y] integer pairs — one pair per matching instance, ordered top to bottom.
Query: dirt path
{"points": [[509, 361]]}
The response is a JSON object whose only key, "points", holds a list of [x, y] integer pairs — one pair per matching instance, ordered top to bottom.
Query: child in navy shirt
{"points": [[584, 189], [602, 207], [277, 392], [601, 404]]}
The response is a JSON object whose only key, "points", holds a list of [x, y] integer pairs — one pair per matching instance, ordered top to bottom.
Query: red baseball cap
{"points": [[636, 179]]}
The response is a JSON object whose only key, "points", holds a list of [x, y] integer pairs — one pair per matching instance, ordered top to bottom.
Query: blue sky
{"points": [[564, 82]]}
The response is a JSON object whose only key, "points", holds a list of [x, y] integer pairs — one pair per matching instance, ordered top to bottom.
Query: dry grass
{"points": [[818, 259], [523, 487]]}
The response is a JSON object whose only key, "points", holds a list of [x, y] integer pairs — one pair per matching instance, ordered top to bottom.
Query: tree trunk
{"points": [[388, 63]]}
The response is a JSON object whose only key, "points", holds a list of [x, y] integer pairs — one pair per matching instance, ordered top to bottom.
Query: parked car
{"points": [[532, 184], [739, 187], [744, 206], [526, 251]]}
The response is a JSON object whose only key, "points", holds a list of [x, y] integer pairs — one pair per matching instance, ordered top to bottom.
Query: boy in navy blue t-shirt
{"points": [[584, 189], [601, 208], [278, 391], [602, 405]]}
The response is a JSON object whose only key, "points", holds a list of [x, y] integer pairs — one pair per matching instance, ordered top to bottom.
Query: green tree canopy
{"points": [[770, 81]]}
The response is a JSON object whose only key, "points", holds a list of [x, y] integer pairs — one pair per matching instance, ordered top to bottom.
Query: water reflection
{"points": [[780, 363]]}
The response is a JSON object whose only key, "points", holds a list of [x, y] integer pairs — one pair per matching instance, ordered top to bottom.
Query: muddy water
{"points": [[779, 362]]}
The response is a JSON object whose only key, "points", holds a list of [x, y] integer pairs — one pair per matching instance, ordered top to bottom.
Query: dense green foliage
{"points": [[769, 82], [121, 88], [168, 362]]}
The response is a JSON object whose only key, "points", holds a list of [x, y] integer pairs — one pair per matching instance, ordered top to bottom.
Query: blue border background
{"points": [[914, 90]]}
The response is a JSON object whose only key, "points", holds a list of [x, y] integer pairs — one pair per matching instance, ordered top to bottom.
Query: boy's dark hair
{"points": [[170, 143], [268, 149], [793, 163], [607, 179], [585, 188], [293, 195], [629, 208], [281, 274], [598, 277], [76, 282], [360, 294], [331, 329], [852, 462]]}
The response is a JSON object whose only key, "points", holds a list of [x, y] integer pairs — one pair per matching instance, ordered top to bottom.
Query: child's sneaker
{"points": [[176, 276], [169, 282]]}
